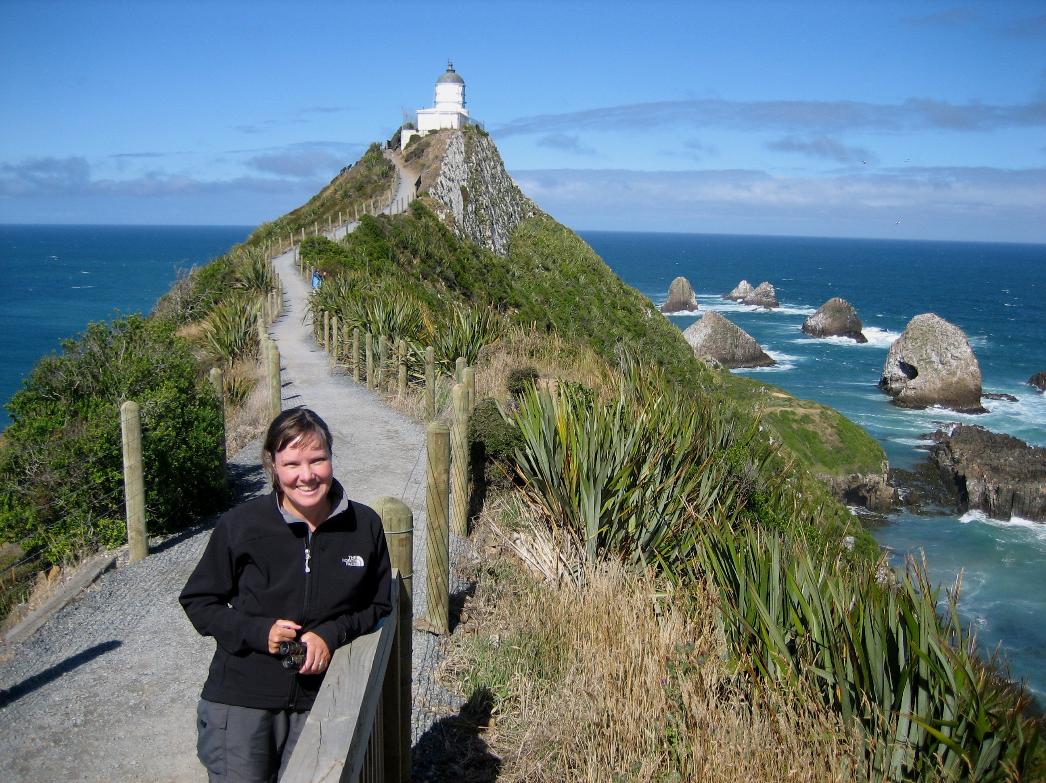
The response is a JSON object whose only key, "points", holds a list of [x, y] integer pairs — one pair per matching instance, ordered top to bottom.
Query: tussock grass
{"points": [[621, 678]]}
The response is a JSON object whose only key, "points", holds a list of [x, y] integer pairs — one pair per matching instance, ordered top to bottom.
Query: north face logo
{"points": [[353, 561]]}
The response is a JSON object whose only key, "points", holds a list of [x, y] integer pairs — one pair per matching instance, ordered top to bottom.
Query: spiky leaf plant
{"points": [[230, 329]]}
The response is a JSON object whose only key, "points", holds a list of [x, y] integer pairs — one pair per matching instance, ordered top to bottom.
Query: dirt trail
{"points": [[106, 689]]}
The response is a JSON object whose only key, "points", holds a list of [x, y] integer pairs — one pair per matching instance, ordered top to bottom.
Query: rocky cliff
{"points": [[474, 190], [996, 473]]}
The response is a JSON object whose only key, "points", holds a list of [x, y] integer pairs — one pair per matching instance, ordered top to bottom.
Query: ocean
{"points": [[62, 277], [996, 293]]}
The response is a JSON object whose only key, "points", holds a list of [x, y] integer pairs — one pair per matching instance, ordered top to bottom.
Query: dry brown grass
{"points": [[551, 355], [246, 422], [620, 679]]}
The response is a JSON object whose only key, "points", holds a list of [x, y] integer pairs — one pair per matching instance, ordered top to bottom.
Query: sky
{"points": [[907, 120]]}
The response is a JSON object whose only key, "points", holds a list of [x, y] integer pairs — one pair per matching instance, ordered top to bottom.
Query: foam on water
{"points": [[879, 338], [1037, 530]]}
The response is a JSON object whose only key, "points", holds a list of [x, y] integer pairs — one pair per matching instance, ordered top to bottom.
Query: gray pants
{"points": [[244, 744]]}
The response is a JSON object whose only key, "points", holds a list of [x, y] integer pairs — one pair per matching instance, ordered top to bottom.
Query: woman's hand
{"points": [[282, 631], [317, 655]]}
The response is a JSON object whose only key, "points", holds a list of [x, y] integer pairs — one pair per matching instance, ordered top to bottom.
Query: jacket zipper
{"points": [[304, 605]]}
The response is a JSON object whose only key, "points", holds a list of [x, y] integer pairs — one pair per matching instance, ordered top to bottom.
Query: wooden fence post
{"points": [[335, 338], [356, 354], [401, 355], [383, 358], [370, 360], [459, 369], [217, 378], [469, 378], [430, 383], [275, 389], [459, 461], [134, 480], [437, 510], [398, 521]]}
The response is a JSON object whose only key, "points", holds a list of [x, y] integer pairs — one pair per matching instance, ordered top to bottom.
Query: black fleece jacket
{"points": [[257, 568]]}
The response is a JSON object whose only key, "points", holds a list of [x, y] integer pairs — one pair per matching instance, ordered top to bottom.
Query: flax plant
{"points": [[230, 332], [628, 476], [881, 655]]}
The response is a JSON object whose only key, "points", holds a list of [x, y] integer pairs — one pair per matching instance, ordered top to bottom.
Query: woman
{"points": [[301, 564]]}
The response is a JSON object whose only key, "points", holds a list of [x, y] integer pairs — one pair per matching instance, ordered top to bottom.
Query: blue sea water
{"points": [[60, 278], [995, 292]]}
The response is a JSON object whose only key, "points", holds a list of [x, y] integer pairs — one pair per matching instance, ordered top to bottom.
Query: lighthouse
{"points": [[448, 110]]}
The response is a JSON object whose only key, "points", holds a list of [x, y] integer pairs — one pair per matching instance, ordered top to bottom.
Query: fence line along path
{"points": [[106, 688]]}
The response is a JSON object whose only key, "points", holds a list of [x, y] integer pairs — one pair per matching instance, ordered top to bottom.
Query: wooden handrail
{"points": [[335, 740]]}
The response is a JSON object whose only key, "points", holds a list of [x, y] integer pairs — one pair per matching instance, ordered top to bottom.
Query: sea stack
{"points": [[741, 292], [763, 295], [680, 297], [835, 318], [714, 337], [932, 364], [1038, 381]]}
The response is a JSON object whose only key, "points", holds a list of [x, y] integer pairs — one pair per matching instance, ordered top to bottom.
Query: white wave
{"points": [[84, 272], [77, 287], [789, 309], [683, 313], [880, 338], [846, 342], [784, 362], [912, 441], [1037, 529]]}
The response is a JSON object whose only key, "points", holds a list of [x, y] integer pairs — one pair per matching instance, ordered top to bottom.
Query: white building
{"points": [[449, 110]]}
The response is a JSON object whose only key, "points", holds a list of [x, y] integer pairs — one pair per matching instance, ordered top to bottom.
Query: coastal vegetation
{"points": [[688, 602]]}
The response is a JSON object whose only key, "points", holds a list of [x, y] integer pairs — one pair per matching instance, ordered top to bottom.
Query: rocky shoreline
{"points": [[971, 468]]}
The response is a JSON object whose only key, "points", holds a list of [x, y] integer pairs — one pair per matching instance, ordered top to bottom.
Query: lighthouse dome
{"points": [[450, 76]]}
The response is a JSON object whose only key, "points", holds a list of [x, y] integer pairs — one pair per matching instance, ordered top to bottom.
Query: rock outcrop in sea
{"points": [[474, 187], [741, 292], [763, 295], [681, 297], [835, 318], [714, 337], [932, 364], [1038, 381], [998, 474]]}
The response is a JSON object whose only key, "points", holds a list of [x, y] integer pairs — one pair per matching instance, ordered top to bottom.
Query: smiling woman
{"points": [[286, 579]]}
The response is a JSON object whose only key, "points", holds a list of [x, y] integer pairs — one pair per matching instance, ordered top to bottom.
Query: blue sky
{"points": [[922, 120]]}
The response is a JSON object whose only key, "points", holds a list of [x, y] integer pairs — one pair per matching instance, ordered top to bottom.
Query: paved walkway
{"points": [[106, 689]]}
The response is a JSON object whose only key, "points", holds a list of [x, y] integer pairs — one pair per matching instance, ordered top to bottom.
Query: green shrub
{"points": [[520, 379], [489, 428], [61, 476]]}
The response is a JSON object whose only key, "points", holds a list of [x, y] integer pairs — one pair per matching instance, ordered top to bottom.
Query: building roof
{"points": [[450, 77]]}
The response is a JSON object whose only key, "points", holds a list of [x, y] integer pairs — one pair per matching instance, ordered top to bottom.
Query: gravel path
{"points": [[106, 689]]}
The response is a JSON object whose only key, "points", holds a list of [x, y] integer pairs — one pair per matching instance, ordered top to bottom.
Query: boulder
{"points": [[741, 291], [764, 295], [680, 297], [835, 318], [714, 337], [932, 364], [1038, 381], [996, 473], [871, 490]]}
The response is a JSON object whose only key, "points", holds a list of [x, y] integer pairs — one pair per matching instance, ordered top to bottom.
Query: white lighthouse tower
{"points": [[449, 110]]}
